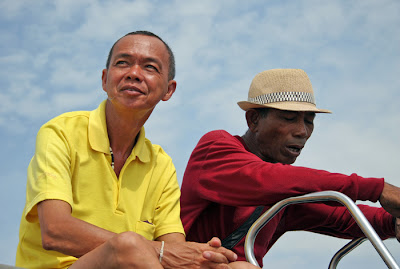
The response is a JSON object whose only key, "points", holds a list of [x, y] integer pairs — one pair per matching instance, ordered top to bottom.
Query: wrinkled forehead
{"points": [[148, 46]]}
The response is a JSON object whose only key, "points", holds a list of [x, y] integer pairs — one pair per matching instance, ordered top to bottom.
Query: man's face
{"points": [[137, 77], [281, 135]]}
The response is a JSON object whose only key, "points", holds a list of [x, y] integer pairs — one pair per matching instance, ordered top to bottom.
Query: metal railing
{"points": [[321, 197], [344, 251]]}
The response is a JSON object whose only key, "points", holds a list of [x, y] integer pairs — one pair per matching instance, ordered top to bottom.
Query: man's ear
{"points": [[104, 79], [170, 90], [252, 118]]}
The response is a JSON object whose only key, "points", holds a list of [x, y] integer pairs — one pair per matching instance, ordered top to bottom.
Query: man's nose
{"points": [[135, 73], [301, 129]]}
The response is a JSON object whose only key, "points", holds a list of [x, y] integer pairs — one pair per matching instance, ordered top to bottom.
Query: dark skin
{"points": [[278, 136]]}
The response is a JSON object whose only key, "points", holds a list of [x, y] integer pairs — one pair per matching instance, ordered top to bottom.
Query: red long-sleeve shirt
{"points": [[224, 183]]}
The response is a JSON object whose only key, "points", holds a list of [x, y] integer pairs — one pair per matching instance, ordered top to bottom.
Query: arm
{"points": [[239, 178], [50, 194], [390, 199], [337, 220], [168, 223], [63, 233], [181, 254]]}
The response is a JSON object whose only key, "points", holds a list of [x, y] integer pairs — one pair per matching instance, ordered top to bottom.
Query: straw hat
{"points": [[284, 89]]}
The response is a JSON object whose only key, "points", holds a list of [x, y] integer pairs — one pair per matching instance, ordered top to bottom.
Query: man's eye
{"points": [[121, 63], [150, 66], [289, 118], [309, 120]]}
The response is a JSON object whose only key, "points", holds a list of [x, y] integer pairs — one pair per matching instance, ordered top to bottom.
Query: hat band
{"points": [[283, 97]]}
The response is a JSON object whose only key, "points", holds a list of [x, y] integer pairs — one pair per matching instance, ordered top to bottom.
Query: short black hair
{"points": [[171, 67], [263, 112]]}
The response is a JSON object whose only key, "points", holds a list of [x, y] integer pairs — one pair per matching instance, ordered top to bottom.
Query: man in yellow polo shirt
{"points": [[99, 194]]}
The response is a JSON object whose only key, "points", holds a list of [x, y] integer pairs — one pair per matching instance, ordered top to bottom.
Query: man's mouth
{"points": [[132, 89], [295, 149]]}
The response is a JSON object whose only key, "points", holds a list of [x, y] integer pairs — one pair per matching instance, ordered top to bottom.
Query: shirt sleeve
{"points": [[221, 170], [49, 172], [167, 217], [337, 220]]}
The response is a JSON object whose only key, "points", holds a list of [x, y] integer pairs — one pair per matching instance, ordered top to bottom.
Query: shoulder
{"points": [[68, 118], [67, 123], [69, 129], [217, 134], [218, 137], [216, 142], [158, 150], [158, 154]]}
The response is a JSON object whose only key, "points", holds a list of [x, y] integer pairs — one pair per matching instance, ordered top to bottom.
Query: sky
{"points": [[52, 54]]}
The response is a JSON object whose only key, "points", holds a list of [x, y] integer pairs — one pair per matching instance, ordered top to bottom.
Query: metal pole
{"points": [[318, 197], [344, 251]]}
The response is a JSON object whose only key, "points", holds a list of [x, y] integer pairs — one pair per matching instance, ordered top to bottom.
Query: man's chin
{"points": [[289, 160]]}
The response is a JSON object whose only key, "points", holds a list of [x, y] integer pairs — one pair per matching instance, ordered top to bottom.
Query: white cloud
{"points": [[11, 9], [52, 60]]}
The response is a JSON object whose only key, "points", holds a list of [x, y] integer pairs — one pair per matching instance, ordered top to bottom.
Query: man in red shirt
{"points": [[228, 177]]}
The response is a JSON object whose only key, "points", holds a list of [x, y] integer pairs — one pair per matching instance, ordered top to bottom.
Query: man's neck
{"points": [[123, 129], [251, 145]]}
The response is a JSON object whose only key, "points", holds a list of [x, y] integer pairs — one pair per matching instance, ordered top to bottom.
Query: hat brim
{"points": [[291, 106]]}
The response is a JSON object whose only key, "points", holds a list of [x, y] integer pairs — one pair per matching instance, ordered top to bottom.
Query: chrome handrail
{"points": [[319, 197], [344, 251]]}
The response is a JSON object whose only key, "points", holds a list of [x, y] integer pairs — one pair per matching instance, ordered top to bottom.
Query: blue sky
{"points": [[52, 54]]}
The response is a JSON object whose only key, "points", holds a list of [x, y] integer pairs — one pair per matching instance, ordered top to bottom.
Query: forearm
{"points": [[390, 199], [337, 220], [382, 222], [63, 233], [74, 237], [177, 253], [171, 258]]}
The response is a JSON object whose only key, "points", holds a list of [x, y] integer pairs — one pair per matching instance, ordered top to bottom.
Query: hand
{"points": [[390, 199], [397, 229], [215, 242], [196, 255], [214, 256]]}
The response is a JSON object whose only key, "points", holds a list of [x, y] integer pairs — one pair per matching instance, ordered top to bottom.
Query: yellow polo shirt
{"points": [[72, 162]]}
